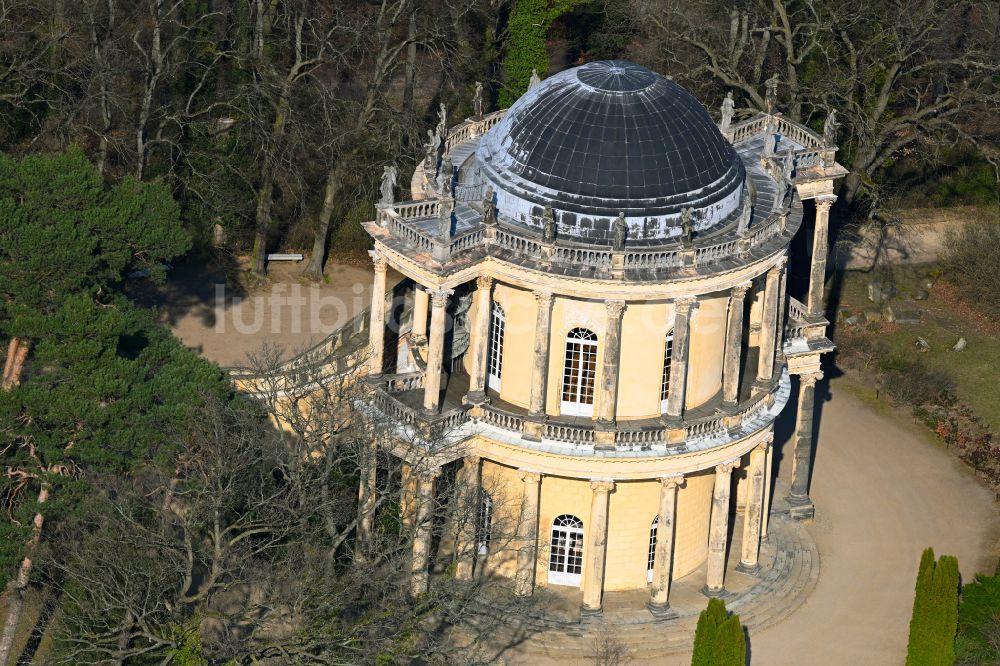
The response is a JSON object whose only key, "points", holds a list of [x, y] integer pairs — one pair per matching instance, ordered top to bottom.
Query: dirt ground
{"points": [[213, 313], [884, 491]]}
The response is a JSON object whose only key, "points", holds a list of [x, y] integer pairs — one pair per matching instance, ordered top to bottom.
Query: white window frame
{"points": [[498, 326], [668, 357], [579, 378], [483, 523], [566, 551], [651, 555]]}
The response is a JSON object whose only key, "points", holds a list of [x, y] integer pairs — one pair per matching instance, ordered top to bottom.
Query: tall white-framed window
{"points": [[668, 355], [495, 366], [579, 373], [483, 522], [566, 551], [651, 555]]}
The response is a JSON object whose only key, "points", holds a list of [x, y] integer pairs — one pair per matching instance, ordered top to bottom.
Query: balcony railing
{"points": [[637, 436]]}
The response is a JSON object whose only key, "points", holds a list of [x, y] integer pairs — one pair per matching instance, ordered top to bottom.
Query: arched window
{"points": [[496, 347], [668, 354], [579, 373], [483, 522], [566, 551], [651, 556]]}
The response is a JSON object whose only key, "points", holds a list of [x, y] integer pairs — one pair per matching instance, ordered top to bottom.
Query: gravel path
{"points": [[884, 490]]}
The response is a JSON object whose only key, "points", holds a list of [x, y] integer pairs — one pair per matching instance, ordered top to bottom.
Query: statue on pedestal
{"points": [[535, 79], [771, 93], [477, 101], [727, 111], [442, 126], [830, 129], [431, 147], [787, 164], [444, 177], [388, 183], [489, 207], [444, 221], [548, 225], [687, 228], [620, 230]]}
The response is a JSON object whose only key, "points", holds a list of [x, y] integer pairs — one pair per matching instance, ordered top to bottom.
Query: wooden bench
{"points": [[284, 257]]}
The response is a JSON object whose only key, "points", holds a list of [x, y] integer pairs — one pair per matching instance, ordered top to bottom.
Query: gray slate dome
{"points": [[610, 136]]}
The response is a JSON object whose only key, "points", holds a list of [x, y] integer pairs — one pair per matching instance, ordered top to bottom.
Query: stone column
{"points": [[817, 270], [782, 311], [684, 312], [768, 325], [419, 327], [376, 336], [480, 339], [734, 339], [435, 351], [540, 363], [608, 398], [768, 471], [798, 496], [366, 501], [754, 509], [718, 531], [527, 534], [466, 549], [419, 565], [593, 572], [659, 599]]}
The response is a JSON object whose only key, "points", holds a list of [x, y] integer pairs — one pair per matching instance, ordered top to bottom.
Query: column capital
{"points": [[825, 201], [378, 261], [484, 282], [739, 291], [439, 297], [544, 297], [685, 305], [615, 309], [810, 379], [763, 445], [473, 459], [727, 467], [429, 474], [529, 477], [672, 481], [602, 486]]}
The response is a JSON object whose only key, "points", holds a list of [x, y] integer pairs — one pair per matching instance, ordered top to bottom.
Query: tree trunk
{"points": [[411, 67], [849, 190], [314, 271], [17, 352], [18, 586]]}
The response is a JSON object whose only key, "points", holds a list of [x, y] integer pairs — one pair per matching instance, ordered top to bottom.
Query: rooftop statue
{"points": [[534, 80], [771, 93], [477, 101], [727, 111], [442, 126], [830, 129], [432, 147], [787, 164], [445, 176], [388, 183], [489, 207], [745, 215], [444, 221], [548, 225], [687, 228], [620, 230]]}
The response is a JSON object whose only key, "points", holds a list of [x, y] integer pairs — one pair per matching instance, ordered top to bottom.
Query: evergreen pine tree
{"points": [[946, 579], [706, 633], [730, 645], [917, 653]]}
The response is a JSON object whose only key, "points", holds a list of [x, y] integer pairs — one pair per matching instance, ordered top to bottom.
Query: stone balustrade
{"points": [[637, 436]]}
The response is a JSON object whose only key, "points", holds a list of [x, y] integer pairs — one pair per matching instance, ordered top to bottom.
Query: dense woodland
{"points": [[152, 513]]}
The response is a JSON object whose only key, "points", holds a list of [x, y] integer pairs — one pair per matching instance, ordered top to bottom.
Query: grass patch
{"points": [[945, 319]]}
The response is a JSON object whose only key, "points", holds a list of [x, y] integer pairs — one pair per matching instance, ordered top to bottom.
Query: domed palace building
{"points": [[583, 310]]}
